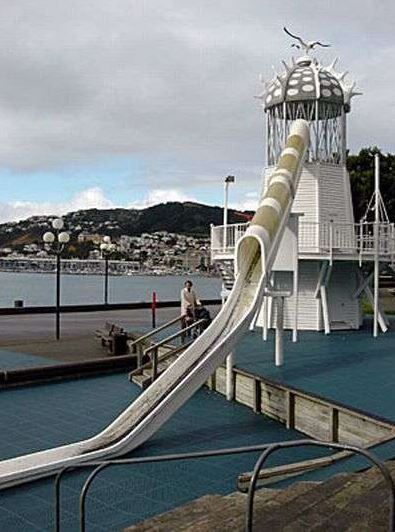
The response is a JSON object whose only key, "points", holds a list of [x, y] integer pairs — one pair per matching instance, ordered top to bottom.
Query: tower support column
{"points": [[230, 377]]}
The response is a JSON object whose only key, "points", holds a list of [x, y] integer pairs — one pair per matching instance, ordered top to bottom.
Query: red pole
{"points": [[153, 308]]}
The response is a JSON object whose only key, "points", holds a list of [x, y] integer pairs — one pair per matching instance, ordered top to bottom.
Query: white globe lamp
{"points": [[57, 224], [48, 237], [64, 237]]}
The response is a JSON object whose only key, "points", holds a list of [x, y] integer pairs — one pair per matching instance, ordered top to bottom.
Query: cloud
{"points": [[162, 78], [172, 83], [161, 196], [91, 198], [86, 199], [247, 203]]}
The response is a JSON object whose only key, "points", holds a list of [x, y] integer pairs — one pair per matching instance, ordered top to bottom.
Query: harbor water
{"points": [[37, 289]]}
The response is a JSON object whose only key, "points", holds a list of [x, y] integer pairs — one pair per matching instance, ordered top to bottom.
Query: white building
{"points": [[326, 281]]}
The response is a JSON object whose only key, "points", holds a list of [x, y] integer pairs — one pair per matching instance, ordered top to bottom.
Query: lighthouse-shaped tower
{"points": [[320, 259], [326, 283]]}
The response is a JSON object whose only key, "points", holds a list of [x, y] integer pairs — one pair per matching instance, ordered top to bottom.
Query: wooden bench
{"points": [[106, 337]]}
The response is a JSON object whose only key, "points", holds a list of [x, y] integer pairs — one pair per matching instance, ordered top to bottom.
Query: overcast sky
{"points": [[132, 102]]}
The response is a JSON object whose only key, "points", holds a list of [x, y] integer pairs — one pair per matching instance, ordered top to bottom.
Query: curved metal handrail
{"points": [[148, 335], [173, 336], [154, 347], [299, 443], [266, 448], [100, 465]]}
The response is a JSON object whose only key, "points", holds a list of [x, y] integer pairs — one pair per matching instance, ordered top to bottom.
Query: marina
{"points": [[39, 289]]}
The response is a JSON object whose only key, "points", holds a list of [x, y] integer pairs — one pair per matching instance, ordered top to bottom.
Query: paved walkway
{"points": [[34, 334]]}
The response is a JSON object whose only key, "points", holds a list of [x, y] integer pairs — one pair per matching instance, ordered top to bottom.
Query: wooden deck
{"points": [[310, 414]]}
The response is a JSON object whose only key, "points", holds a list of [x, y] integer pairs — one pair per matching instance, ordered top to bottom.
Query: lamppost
{"points": [[229, 179], [56, 241], [106, 248], [230, 358]]}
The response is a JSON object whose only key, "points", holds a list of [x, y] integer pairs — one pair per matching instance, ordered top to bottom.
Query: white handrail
{"points": [[327, 238]]}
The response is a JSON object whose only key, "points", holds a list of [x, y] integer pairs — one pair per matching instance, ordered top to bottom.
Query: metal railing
{"points": [[225, 237], [327, 238], [87, 266], [137, 346], [155, 347], [299, 443], [267, 450], [100, 466]]}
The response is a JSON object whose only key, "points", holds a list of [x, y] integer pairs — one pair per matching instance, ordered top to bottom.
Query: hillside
{"points": [[183, 218], [194, 219]]}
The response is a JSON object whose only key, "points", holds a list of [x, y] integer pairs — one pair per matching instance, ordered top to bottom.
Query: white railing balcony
{"points": [[224, 239], [325, 239]]}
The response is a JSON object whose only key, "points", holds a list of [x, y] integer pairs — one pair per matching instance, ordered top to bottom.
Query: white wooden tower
{"points": [[307, 89], [328, 281]]}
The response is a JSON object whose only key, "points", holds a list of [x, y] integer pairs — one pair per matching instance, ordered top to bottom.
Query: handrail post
{"points": [[331, 242], [360, 242], [139, 355], [154, 364], [330, 445], [58, 479], [84, 492]]}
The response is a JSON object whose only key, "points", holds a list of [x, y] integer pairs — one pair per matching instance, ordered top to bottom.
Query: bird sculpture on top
{"points": [[306, 46]]}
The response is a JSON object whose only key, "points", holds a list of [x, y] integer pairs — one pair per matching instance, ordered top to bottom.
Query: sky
{"points": [[129, 103]]}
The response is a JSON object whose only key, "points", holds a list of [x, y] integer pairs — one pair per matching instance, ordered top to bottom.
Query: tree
{"points": [[361, 169]]}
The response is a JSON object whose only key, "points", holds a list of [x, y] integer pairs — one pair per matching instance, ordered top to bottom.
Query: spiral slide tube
{"points": [[255, 255]]}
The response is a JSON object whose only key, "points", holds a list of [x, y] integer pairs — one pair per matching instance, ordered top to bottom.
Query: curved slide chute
{"points": [[255, 255]]}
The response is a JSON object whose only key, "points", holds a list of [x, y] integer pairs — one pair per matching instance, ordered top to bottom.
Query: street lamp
{"points": [[229, 179], [55, 242], [106, 248]]}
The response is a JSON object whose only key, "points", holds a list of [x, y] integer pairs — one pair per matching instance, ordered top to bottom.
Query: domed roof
{"points": [[305, 80]]}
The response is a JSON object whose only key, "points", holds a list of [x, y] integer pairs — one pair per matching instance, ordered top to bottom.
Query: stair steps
{"points": [[227, 271], [166, 356], [347, 502], [211, 513]]}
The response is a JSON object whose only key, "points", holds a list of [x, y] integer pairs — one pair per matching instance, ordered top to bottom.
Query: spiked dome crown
{"points": [[306, 80], [309, 90]]}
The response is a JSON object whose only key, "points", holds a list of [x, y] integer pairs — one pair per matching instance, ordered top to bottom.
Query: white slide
{"points": [[255, 255]]}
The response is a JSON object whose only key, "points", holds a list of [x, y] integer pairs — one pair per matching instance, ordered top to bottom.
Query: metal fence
{"points": [[87, 266]]}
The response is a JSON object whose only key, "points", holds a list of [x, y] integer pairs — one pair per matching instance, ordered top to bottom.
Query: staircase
{"points": [[227, 271], [167, 354], [347, 502]]}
